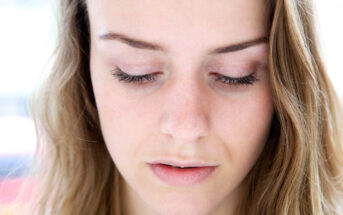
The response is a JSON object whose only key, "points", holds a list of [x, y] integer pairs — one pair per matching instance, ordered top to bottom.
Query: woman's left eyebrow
{"points": [[140, 44]]}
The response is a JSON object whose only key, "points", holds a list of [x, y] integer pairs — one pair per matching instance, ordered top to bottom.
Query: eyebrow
{"points": [[140, 44]]}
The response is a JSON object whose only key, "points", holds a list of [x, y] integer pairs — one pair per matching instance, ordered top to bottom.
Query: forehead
{"points": [[180, 24]]}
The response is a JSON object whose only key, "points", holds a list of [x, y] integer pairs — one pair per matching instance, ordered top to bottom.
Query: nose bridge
{"points": [[185, 113]]}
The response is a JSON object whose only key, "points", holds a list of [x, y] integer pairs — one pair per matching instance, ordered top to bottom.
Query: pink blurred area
{"points": [[18, 141], [10, 190], [13, 195]]}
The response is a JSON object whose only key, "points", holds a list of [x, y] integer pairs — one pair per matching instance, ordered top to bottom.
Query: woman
{"points": [[188, 107]]}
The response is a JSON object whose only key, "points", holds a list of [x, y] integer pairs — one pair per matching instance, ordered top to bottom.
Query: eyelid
{"points": [[234, 71]]}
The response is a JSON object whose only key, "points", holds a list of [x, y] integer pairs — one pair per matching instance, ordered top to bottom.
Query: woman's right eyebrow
{"points": [[135, 43], [141, 44]]}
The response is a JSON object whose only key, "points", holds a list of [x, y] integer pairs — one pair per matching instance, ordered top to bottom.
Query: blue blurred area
{"points": [[13, 105], [14, 165]]}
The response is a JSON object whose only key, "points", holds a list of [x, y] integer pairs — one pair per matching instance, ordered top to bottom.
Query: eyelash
{"points": [[142, 79]]}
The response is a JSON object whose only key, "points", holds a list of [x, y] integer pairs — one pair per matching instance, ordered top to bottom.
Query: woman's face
{"points": [[188, 114]]}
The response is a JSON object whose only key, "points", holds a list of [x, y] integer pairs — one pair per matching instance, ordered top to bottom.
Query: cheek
{"points": [[125, 120], [119, 123], [124, 124], [244, 126]]}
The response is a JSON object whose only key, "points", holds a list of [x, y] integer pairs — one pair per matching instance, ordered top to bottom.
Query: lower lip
{"points": [[181, 177]]}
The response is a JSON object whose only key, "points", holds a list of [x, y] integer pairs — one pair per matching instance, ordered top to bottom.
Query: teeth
{"points": [[176, 166], [180, 167], [183, 167]]}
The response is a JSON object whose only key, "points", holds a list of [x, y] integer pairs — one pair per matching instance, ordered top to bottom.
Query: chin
{"points": [[186, 207], [182, 210]]}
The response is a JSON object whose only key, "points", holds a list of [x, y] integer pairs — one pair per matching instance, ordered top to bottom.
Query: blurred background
{"points": [[27, 34], [27, 39]]}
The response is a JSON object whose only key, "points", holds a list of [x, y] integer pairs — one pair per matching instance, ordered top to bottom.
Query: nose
{"points": [[185, 113]]}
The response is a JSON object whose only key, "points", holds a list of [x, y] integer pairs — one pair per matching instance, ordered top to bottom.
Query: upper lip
{"points": [[184, 163]]}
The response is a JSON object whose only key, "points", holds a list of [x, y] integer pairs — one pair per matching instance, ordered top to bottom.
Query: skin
{"points": [[184, 114]]}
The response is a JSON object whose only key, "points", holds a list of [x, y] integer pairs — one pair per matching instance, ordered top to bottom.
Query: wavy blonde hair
{"points": [[299, 172]]}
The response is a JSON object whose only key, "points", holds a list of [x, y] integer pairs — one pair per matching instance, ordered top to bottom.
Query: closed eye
{"points": [[147, 78], [139, 79], [245, 80]]}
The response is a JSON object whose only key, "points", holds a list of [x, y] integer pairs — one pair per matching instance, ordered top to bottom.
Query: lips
{"points": [[181, 173]]}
